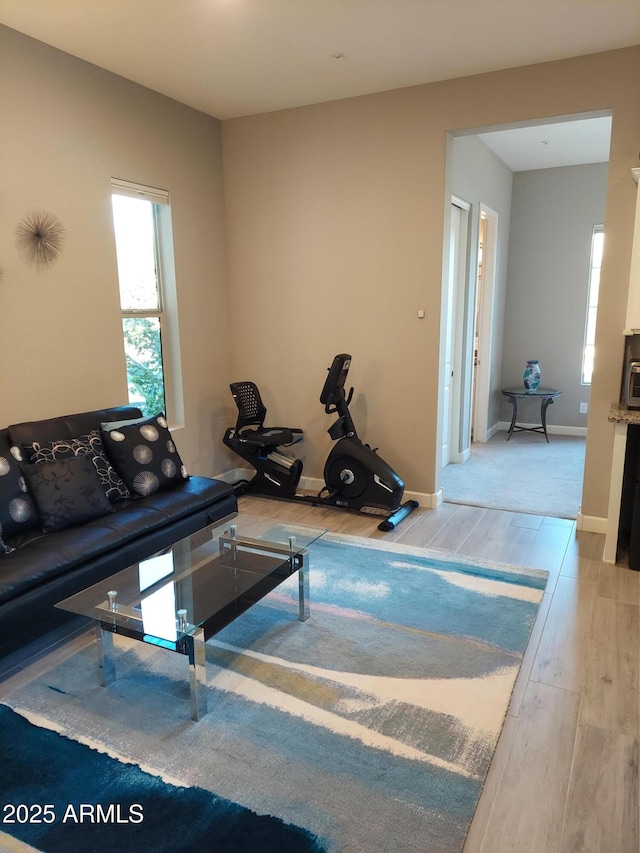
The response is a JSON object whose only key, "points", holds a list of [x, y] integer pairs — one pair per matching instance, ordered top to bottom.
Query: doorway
{"points": [[546, 197]]}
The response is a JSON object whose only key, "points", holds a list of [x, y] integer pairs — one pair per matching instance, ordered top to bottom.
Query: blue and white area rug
{"points": [[368, 728]]}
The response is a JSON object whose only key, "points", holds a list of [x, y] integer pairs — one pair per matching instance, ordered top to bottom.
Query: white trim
{"points": [[129, 188], [460, 202], [484, 313], [234, 474], [311, 484], [314, 484], [425, 499], [436, 499], [592, 524]]}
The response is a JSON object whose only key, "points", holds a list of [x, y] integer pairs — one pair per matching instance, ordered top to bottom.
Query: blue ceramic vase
{"points": [[531, 375]]}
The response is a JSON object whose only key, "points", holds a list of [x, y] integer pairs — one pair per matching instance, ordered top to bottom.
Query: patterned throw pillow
{"points": [[91, 445], [144, 455], [67, 491], [18, 513], [4, 548]]}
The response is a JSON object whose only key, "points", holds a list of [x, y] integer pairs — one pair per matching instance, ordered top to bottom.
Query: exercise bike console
{"points": [[333, 388], [334, 400]]}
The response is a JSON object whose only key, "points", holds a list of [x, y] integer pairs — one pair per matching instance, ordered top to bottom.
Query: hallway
{"points": [[524, 474]]}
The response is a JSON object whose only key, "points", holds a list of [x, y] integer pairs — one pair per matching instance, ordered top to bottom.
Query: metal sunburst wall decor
{"points": [[39, 237]]}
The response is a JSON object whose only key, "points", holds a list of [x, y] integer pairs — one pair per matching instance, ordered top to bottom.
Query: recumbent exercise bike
{"points": [[356, 478]]}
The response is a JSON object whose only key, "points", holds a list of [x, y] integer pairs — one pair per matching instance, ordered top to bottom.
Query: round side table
{"points": [[546, 397]]}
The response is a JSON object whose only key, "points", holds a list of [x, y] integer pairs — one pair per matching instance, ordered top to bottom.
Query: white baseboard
{"points": [[552, 429], [235, 474], [311, 484], [314, 484], [425, 499], [436, 499], [591, 523]]}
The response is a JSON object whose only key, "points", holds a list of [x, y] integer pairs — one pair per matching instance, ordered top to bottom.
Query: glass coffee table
{"points": [[181, 596]]}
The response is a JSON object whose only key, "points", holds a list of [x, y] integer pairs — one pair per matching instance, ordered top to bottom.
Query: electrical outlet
{"points": [[584, 408]]}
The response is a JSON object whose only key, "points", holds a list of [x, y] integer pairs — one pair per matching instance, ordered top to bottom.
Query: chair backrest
{"points": [[251, 410]]}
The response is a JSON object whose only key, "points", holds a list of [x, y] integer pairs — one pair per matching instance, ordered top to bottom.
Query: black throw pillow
{"points": [[91, 445], [144, 455], [67, 492], [18, 513]]}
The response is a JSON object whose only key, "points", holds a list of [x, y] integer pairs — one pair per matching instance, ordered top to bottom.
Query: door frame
{"points": [[485, 315]]}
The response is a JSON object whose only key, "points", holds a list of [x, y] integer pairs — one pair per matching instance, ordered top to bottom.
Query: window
{"points": [[142, 226], [597, 242]]}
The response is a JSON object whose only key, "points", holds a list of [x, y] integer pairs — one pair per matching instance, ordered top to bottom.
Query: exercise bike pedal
{"points": [[325, 493]]}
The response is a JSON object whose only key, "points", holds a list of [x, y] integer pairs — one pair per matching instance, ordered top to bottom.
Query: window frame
{"points": [[165, 312]]}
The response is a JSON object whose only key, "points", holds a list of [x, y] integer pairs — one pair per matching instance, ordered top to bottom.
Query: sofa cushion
{"points": [[68, 426], [91, 445], [145, 455], [67, 492], [18, 512], [58, 553]]}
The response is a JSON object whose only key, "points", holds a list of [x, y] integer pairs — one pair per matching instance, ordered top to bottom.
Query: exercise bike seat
{"points": [[252, 412]]}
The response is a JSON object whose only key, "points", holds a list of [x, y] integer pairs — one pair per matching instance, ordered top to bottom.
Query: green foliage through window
{"points": [[143, 352]]}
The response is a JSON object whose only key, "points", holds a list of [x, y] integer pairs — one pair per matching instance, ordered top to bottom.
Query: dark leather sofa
{"points": [[44, 568]]}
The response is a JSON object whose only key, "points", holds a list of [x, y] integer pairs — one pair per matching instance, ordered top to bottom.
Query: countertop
{"points": [[619, 413]]}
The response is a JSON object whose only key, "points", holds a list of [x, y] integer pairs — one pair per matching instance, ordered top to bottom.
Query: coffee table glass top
{"points": [[186, 586]]}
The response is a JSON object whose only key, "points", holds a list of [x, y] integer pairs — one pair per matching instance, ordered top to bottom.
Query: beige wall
{"points": [[66, 128], [334, 217]]}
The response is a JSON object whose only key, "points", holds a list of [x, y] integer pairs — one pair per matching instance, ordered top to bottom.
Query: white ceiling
{"points": [[232, 58], [545, 146]]}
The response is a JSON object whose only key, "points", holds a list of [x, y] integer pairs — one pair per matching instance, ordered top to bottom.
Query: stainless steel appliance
{"points": [[632, 384]]}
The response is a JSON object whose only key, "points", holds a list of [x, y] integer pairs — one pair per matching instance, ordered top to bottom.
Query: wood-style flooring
{"points": [[564, 778]]}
